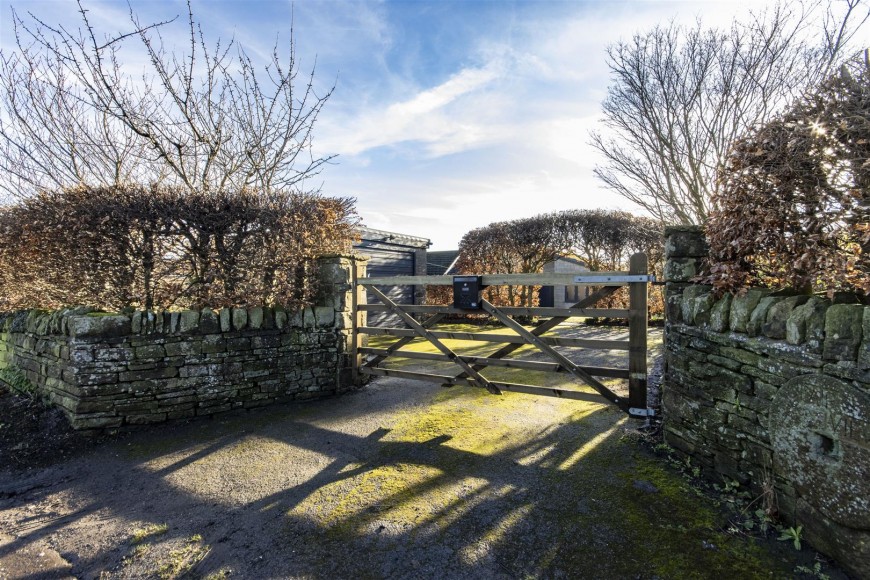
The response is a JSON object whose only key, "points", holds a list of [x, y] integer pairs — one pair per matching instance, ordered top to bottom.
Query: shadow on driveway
{"points": [[400, 479]]}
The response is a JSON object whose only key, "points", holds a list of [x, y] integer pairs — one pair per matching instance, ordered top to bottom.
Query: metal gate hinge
{"points": [[623, 278], [638, 412]]}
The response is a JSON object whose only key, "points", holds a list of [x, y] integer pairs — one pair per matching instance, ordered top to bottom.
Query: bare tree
{"points": [[681, 95], [208, 119], [50, 136]]}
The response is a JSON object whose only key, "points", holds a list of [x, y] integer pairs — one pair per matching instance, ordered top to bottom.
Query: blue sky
{"points": [[446, 115]]}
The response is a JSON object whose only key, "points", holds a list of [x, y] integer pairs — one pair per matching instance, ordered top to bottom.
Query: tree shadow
{"points": [[470, 496], [285, 535]]}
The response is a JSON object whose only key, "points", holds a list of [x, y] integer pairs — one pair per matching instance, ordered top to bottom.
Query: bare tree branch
{"points": [[680, 96], [203, 120]]}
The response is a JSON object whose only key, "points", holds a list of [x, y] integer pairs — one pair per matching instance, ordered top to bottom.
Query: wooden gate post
{"points": [[357, 316], [637, 334]]}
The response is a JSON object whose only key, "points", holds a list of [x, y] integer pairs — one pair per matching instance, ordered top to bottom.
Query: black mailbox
{"points": [[466, 292]]}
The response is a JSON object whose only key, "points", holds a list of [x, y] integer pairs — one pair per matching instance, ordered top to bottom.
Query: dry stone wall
{"points": [[111, 370], [769, 389]]}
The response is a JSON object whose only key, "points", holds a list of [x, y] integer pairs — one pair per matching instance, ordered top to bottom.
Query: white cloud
{"points": [[464, 82], [523, 88], [428, 117], [523, 120], [568, 138], [457, 206]]}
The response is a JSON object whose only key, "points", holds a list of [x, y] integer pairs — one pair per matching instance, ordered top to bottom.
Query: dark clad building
{"points": [[393, 254]]}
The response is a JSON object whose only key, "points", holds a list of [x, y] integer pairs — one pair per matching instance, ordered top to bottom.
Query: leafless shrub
{"points": [[604, 240], [510, 247]]}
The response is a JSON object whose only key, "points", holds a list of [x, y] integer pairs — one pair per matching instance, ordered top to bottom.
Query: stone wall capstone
{"points": [[108, 371], [770, 389]]}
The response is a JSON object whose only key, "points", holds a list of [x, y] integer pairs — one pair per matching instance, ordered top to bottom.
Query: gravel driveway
{"points": [[400, 479]]}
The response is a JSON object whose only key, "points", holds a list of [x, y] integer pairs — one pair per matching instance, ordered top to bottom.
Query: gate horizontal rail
{"points": [[636, 278], [545, 279], [509, 310], [484, 337], [551, 367], [513, 387]]}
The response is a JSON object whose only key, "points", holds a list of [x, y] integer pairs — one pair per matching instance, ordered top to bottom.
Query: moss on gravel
{"points": [[460, 473]]}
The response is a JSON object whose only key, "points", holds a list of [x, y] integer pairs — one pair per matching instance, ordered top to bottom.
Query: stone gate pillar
{"points": [[685, 249], [338, 297]]}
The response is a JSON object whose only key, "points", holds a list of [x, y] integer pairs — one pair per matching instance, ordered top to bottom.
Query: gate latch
{"points": [[638, 412]]}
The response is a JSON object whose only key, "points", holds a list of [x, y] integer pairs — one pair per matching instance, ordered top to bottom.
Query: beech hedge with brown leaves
{"points": [[793, 206], [603, 239], [115, 247]]}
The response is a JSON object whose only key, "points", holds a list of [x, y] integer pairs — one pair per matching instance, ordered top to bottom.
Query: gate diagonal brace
{"points": [[431, 321], [550, 324], [555, 355], [479, 379]]}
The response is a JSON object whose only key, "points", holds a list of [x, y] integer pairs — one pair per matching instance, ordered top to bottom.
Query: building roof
{"points": [[393, 238], [574, 258], [441, 262]]}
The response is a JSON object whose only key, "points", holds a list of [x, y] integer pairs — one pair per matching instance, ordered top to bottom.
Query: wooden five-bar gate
{"points": [[370, 360]]}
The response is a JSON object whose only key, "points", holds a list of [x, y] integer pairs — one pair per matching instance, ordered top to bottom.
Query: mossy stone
{"points": [[685, 242], [681, 269], [334, 271], [689, 305], [673, 307], [702, 307], [742, 307], [720, 314], [759, 315], [325, 316], [777, 316], [280, 317], [240, 318], [255, 318], [268, 318], [308, 318], [174, 319], [226, 319], [297, 319], [188, 321], [208, 321], [136, 322], [806, 324], [99, 326], [843, 331], [214, 343], [153, 351], [864, 352], [820, 434], [850, 547]]}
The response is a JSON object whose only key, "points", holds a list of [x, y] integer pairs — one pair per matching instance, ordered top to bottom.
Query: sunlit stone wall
{"points": [[108, 371], [773, 390]]}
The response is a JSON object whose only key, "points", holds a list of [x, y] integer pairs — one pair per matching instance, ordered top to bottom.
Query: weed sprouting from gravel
{"points": [[139, 535], [180, 561]]}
